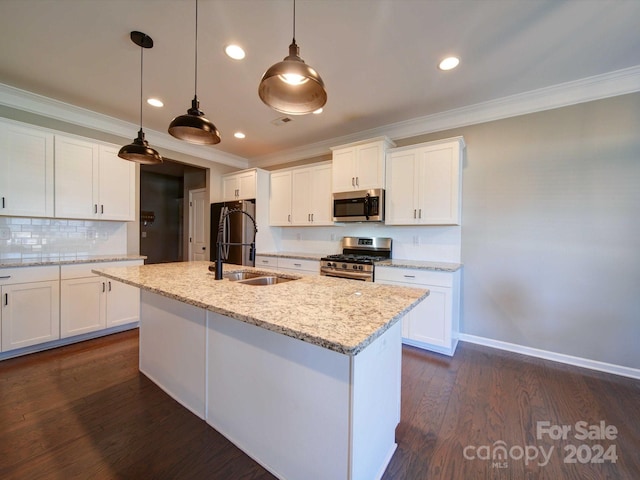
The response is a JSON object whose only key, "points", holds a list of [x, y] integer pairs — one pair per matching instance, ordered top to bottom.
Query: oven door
{"points": [[360, 206], [362, 276]]}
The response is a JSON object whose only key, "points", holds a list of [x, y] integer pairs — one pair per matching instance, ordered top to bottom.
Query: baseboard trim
{"points": [[553, 356]]}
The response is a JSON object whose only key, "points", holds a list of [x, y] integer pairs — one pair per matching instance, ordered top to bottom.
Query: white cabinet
{"points": [[360, 166], [26, 171], [92, 182], [424, 184], [239, 185], [301, 196], [267, 262], [296, 265], [89, 302], [30, 306], [434, 323]]}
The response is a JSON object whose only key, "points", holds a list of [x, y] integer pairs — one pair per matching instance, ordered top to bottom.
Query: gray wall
{"points": [[551, 230]]}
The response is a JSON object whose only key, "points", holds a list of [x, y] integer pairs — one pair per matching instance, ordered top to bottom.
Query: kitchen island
{"points": [[304, 376]]}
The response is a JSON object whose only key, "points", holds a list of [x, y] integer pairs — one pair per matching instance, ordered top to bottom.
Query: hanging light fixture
{"points": [[291, 86], [194, 127], [140, 151]]}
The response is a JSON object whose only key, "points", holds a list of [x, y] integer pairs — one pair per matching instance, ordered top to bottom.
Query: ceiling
{"points": [[378, 58]]}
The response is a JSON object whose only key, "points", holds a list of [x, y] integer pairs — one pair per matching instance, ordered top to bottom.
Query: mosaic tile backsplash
{"points": [[50, 239]]}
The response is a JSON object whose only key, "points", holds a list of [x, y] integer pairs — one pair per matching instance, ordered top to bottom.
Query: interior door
{"points": [[198, 211]]}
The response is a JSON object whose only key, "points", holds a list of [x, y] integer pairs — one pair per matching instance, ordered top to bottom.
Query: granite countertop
{"points": [[296, 255], [66, 260], [420, 265], [337, 314]]}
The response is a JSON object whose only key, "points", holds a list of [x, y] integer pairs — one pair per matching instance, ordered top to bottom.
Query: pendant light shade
{"points": [[291, 86], [194, 127], [139, 150]]}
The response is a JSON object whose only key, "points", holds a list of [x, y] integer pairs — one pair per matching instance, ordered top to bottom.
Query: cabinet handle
{"points": [[353, 181], [357, 181], [2, 202], [95, 208], [101, 208], [414, 213], [419, 213], [308, 217], [312, 217], [289, 218], [265, 261], [297, 264], [409, 276], [4, 277], [109, 285], [103, 287], [6, 299]]}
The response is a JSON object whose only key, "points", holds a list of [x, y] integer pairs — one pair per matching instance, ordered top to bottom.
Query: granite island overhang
{"points": [[293, 373]]}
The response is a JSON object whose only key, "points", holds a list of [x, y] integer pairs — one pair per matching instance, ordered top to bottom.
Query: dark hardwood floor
{"points": [[84, 411]]}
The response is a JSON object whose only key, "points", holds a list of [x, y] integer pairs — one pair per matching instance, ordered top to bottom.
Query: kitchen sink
{"points": [[236, 276], [266, 280]]}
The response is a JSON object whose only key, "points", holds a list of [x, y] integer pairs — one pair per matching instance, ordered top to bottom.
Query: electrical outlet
{"points": [[5, 234], [333, 237], [416, 240]]}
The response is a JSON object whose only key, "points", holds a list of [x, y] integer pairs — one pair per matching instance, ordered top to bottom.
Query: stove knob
{"points": [[344, 265], [355, 267], [360, 267]]}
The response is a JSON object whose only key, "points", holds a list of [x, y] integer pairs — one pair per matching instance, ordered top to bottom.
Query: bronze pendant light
{"points": [[291, 86], [194, 127], [139, 151]]}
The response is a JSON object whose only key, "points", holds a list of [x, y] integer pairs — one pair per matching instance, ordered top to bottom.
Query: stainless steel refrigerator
{"points": [[237, 228]]}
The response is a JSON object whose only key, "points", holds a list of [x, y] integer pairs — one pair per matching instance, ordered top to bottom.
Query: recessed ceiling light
{"points": [[234, 51], [449, 63], [155, 102], [318, 111], [239, 135]]}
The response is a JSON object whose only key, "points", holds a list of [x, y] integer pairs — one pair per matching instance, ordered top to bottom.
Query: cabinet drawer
{"points": [[271, 262], [311, 266], [81, 270], [13, 275], [414, 276]]}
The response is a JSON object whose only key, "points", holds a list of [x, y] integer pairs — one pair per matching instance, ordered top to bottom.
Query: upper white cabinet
{"points": [[360, 166], [26, 171], [92, 182], [424, 184], [239, 185], [301, 196], [30, 306]]}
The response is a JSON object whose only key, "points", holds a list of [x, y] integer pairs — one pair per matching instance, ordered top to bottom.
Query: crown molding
{"points": [[619, 82], [65, 112]]}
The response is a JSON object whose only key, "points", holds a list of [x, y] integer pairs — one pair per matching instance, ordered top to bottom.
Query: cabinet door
{"points": [[343, 166], [369, 167], [26, 172], [76, 178], [401, 181], [247, 185], [116, 186], [230, 188], [438, 192], [320, 198], [280, 199], [300, 201], [123, 303], [82, 305], [30, 314], [430, 321]]}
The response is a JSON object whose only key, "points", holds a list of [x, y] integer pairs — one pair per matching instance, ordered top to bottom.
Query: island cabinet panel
{"points": [[172, 349], [303, 411]]}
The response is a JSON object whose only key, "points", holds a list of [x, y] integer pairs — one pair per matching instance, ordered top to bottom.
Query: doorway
{"points": [[164, 209]]}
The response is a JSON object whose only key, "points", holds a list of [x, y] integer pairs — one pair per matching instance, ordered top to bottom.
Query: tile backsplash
{"points": [[48, 238]]}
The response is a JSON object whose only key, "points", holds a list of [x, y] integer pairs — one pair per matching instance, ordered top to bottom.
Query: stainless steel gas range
{"points": [[358, 257]]}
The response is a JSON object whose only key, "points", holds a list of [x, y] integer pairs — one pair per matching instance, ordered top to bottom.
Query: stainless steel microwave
{"points": [[359, 206]]}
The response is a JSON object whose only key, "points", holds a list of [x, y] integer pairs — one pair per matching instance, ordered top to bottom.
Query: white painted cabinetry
{"points": [[360, 166], [26, 171], [92, 182], [424, 184], [239, 185], [301, 196], [267, 262], [289, 265], [89, 303], [30, 306], [434, 323]]}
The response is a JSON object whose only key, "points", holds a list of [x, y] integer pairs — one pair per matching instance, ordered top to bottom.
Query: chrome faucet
{"points": [[220, 243]]}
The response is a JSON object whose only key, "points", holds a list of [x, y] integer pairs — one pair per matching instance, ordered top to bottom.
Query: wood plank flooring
{"points": [[84, 411]]}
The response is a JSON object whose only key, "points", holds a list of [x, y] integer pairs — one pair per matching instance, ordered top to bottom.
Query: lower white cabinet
{"points": [[267, 262], [289, 265], [89, 302], [30, 306], [434, 323]]}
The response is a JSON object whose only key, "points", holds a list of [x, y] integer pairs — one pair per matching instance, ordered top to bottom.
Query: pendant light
{"points": [[291, 86], [194, 127], [139, 151]]}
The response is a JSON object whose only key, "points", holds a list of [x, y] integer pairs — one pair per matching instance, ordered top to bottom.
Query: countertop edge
{"points": [[71, 261]]}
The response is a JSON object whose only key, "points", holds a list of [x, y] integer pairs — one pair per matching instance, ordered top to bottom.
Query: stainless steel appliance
{"points": [[359, 206], [237, 229], [358, 258]]}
